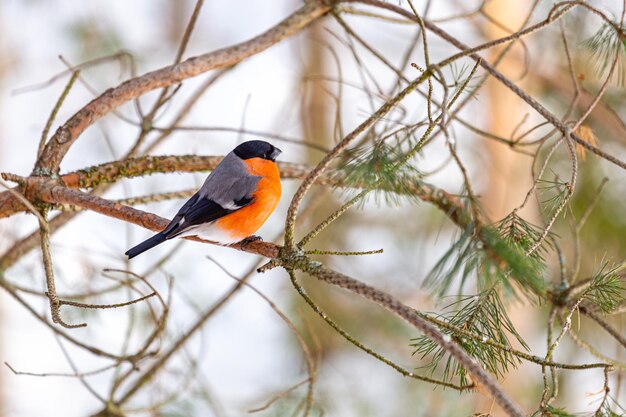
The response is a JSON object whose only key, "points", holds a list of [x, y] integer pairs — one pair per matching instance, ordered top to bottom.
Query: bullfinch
{"points": [[234, 201]]}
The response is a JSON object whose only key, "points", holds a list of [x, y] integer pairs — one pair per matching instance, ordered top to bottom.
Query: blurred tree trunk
{"points": [[315, 106], [509, 172], [508, 176]]}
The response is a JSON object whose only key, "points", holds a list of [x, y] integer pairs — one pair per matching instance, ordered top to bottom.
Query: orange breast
{"points": [[244, 222]]}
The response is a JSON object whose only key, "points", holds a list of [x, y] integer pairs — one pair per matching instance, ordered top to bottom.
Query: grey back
{"points": [[229, 182]]}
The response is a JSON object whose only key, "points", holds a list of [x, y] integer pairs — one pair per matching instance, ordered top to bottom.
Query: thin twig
{"points": [[55, 111], [105, 306]]}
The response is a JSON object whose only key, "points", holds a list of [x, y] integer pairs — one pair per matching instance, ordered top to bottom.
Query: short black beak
{"points": [[275, 153]]}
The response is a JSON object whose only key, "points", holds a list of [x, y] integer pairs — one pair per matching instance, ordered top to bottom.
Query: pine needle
{"points": [[604, 45]]}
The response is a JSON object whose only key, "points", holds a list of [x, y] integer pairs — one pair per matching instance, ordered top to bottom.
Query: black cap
{"points": [[257, 149]]}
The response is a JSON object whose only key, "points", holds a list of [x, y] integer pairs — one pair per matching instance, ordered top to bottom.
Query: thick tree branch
{"points": [[113, 98], [51, 193]]}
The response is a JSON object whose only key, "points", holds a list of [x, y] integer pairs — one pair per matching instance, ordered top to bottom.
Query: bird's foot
{"points": [[245, 242]]}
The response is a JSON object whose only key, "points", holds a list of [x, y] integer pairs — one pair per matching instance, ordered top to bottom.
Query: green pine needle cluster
{"points": [[607, 45], [382, 169], [552, 194], [519, 232], [493, 257], [454, 264], [512, 265], [606, 289], [484, 316]]}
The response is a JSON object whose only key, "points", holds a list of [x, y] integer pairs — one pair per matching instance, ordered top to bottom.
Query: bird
{"points": [[233, 203]]}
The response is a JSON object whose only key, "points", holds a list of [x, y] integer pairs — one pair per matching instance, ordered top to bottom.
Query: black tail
{"points": [[145, 245]]}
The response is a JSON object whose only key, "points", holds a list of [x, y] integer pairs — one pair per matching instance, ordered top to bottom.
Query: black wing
{"points": [[199, 210]]}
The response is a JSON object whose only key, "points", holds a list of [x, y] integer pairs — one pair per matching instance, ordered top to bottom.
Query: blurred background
{"points": [[310, 88]]}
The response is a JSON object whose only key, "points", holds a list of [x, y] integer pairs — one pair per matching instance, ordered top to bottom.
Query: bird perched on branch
{"points": [[233, 203]]}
